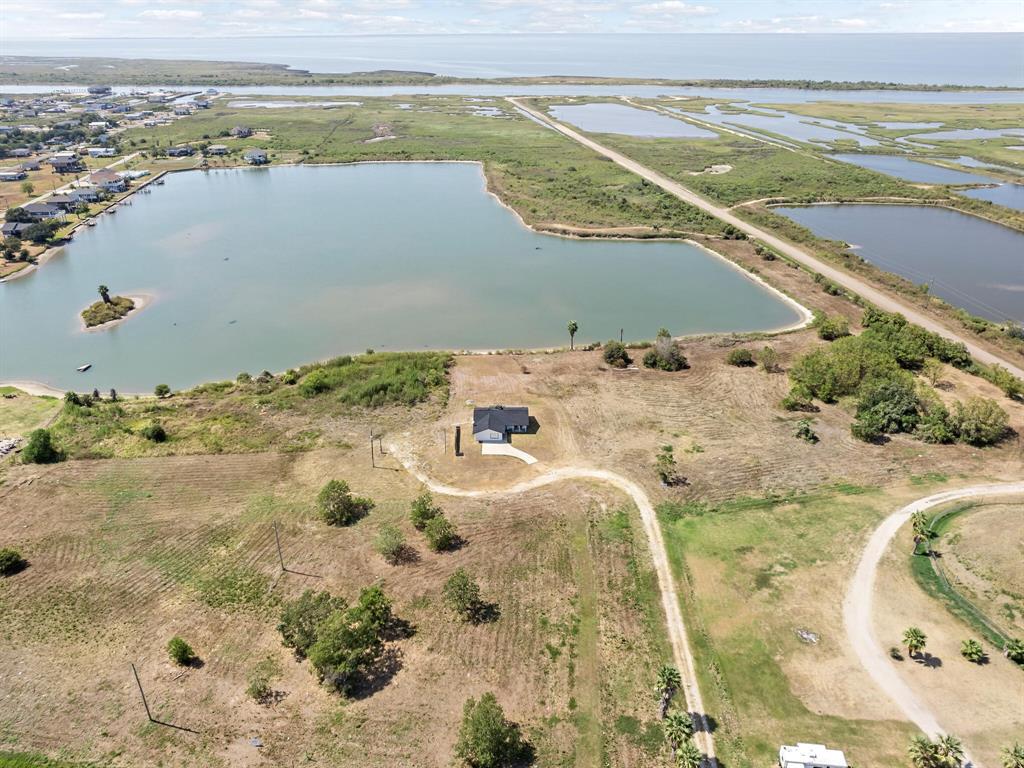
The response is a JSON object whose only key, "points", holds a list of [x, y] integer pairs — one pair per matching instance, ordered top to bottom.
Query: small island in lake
{"points": [[108, 309]]}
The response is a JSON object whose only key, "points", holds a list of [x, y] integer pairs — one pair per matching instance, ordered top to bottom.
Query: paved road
{"points": [[849, 281], [666, 583], [857, 606]]}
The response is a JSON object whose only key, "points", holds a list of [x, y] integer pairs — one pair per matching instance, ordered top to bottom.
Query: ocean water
{"points": [[934, 59]]}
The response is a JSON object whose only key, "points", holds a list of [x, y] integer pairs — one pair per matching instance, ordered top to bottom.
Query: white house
{"points": [[217, 149], [101, 152], [256, 156], [12, 174], [109, 180], [494, 424], [811, 756]]}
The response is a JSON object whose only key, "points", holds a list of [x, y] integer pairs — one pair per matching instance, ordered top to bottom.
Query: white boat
{"points": [[84, 368]]}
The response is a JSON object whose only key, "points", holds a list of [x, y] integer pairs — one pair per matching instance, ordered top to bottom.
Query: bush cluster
{"points": [[615, 354], [665, 355], [874, 368], [375, 380], [40, 448], [337, 505], [342, 642]]}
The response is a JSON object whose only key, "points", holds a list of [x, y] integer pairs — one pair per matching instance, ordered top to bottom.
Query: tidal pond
{"points": [[913, 170], [970, 262], [253, 269]]}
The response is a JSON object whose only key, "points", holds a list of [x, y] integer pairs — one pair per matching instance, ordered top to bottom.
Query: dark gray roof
{"points": [[43, 208], [13, 228], [500, 418]]}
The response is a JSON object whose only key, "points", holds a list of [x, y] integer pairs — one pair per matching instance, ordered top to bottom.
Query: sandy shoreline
{"points": [[142, 300]]}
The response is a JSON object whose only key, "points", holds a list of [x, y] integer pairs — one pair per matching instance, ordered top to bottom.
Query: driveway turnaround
{"points": [[849, 281], [504, 449], [859, 596], [681, 653]]}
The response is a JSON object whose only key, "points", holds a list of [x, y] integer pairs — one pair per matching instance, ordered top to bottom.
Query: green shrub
{"points": [[107, 311], [831, 328], [615, 354], [665, 355], [740, 357], [769, 360], [375, 380], [161, 390], [799, 399], [892, 402], [980, 421], [154, 432], [805, 432], [40, 448], [338, 506], [423, 510], [441, 534], [390, 543], [11, 562], [462, 594], [302, 617], [349, 643], [180, 652], [487, 739]]}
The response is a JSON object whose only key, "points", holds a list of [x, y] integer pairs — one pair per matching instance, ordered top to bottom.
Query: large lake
{"points": [[970, 262], [271, 268]]}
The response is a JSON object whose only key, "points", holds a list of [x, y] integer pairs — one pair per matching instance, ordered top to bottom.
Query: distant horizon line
{"points": [[789, 33]]}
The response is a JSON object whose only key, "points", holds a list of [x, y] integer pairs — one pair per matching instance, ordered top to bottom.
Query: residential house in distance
{"points": [[99, 90], [182, 110], [98, 125], [241, 131], [217, 149], [181, 151], [20, 152], [101, 152], [256, 156], [67, 164], [30, 165], [12, 174], [109, 181], [87, 192], [41, 211], [14, 229], [496, 423], [811, 756]]}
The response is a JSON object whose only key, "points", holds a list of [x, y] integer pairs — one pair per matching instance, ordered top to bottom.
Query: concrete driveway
{"points": [[506, 449]]}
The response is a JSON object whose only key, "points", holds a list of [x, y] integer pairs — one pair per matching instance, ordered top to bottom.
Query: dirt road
{"points": [[850, 282], [666, 584], [857, 605]]}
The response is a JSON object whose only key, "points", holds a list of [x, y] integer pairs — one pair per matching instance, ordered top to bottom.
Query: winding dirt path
{"points": [[849, 281], [857, 605], [681, 653]]}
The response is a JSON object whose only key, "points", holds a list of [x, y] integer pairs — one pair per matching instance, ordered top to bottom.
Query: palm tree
{"points": [[104, 294], [573, 327], [919, 521], [915, 640], [1014, 650], [972, 651], [668, 683], [678, 729], [950, 751], [923, 752], [689, 756], [1013, 757]]}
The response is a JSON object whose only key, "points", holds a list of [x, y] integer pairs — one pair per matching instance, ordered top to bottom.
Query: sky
{"points": [[48, 19]]}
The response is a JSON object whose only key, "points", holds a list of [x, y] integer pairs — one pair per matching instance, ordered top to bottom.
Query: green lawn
{"points": [[22, 413], [752, 572]]}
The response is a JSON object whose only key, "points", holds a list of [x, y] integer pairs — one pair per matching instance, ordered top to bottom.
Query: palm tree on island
{"points": [[104, 294], [573, 327]]}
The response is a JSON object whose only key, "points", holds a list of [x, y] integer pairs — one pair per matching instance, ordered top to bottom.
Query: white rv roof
{"points": [[811, 756]]}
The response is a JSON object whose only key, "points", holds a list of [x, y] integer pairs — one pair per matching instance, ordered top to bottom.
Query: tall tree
{"points": [[104, 294], [573, 327], [919, 522], [915, 641], [668, 683]]}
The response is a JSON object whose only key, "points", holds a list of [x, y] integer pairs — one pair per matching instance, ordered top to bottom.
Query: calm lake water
{"points": [[935, 59], [618, 118], [815, 130], [912, 170], [1010, 195], [969, 262], [270, 268]]}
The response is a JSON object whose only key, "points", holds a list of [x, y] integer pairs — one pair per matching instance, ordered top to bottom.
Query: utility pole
{"points": [[621, 330], [372, 461], [277, 538], [142, 693]]}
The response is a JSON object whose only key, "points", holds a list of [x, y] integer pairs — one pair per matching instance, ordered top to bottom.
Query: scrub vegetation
{"points": [[106, 311]]}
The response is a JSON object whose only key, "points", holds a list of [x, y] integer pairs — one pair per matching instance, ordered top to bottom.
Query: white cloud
{"points": [[674, 7], [171, 13], [306, 13], [81, 15]]}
